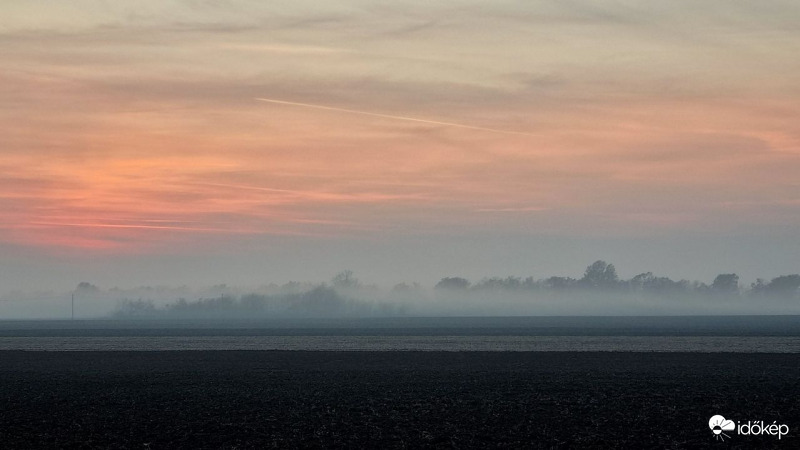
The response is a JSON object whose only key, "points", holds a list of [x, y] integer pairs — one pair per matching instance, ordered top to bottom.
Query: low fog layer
{"points": [[598, 292]]}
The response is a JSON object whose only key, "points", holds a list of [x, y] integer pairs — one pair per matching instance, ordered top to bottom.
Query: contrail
{"points": [[389, 116]]}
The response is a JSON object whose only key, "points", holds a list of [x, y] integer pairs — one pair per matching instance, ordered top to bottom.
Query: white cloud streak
{"points": [[390, 116]]}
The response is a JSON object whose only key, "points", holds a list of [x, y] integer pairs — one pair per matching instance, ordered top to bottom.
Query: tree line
{"points": [[602, 276], [346, 295]]}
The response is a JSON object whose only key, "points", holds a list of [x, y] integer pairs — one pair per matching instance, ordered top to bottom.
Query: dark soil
{"points": [[272, 399]]}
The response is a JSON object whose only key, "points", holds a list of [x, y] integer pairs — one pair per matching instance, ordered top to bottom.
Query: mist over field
{"points": [[599, 292]]}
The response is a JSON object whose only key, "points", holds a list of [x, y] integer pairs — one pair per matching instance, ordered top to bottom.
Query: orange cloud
{"points": [[127, 135]]}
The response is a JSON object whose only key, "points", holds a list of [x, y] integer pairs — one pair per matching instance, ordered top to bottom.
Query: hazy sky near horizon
{"points": [[661, 136]]}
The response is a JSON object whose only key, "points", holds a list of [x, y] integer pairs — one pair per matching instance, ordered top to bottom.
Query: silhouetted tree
{"points": [[600, 274], [345, 280], [641, 281], [647, 282], [455, 283], [497, 283], [529, 283], [559, 283], [726, 283], [784, 286], [699, 287], [759, 287], [320, 299], [136, 308]]}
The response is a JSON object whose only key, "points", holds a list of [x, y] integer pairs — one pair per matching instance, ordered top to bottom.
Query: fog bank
{"points": [[600, 292]]}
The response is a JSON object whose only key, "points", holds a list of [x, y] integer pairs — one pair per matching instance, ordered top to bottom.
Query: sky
{"points": [[246, 142]]}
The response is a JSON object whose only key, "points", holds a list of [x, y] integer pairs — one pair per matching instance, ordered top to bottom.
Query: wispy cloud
{"points": [[281, 48], [389, 116], [122, 124], [513, 209], [133, 226]]}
